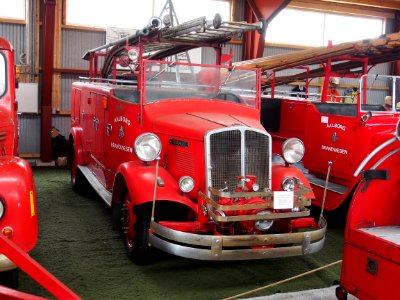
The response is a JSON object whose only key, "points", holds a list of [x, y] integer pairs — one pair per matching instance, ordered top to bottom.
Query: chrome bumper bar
{"points": [[223, 247]]}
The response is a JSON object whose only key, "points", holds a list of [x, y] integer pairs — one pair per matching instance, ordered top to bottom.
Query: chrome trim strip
{"points": [[104, 194]]}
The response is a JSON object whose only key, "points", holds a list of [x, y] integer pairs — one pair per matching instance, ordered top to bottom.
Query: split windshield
{"points": [[171, 80]]}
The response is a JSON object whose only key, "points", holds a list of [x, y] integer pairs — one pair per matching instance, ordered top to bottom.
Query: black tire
{"points": [[78, 180], [116, 216], [135, 228], [10, 278]]}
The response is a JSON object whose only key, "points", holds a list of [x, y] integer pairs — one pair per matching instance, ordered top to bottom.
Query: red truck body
{"points": [[338, 132], [178, 152], [18, 217], [371, 257]]}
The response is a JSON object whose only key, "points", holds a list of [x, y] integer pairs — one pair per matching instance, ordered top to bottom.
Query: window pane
{"points": [[14, 10], [188, 10], [117, 13], [296, 27], [299, 27], [341, 29], [2, 74]]}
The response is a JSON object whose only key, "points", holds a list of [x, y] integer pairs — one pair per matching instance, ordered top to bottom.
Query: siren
{"points": [[155, 22]]}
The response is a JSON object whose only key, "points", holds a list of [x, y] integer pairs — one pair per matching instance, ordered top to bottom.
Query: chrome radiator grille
{"points": [[237, 151]]}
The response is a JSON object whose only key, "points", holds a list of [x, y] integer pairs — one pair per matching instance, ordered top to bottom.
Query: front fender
{"points": [[280, 172], [139, 179], [17, 191]]}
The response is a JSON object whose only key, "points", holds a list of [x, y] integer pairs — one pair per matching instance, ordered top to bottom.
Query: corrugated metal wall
{"points": [[74, 44]]}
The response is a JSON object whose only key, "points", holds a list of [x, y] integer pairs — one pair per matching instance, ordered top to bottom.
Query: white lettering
{"points": [[123, 120], [335, 125], [121, 147], [333, 149]]}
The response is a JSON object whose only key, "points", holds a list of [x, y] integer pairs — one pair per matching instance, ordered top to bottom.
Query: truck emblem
{"points": [[109, 129], [121, 132], [334, 137], [179, 143]]}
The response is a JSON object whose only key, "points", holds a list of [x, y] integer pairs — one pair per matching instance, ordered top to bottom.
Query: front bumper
{"points": [[238, 247], [6, 264]]}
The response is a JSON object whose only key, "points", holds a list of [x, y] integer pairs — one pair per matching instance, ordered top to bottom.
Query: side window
{"points": [[3, 74]]}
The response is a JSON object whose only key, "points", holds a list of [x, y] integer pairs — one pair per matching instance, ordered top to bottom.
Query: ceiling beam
{"points": [[385, 4], [333, 6]]}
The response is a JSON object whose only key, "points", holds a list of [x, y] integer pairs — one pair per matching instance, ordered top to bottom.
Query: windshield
{"points": [[2, 74], [171, 80], [380, 93]]}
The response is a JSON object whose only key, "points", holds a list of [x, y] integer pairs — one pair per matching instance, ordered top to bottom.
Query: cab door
{"points": [[100, 104], [331, 138]]}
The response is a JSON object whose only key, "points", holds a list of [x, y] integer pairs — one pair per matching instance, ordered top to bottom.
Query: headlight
{"points": [[398, 130], [147, 146], [293, 150], [186, 184], [288, 184], [2, 208], [263, 225]]}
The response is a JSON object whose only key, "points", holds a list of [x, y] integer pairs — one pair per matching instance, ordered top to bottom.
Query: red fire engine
{"points": [[301, 100], [177, 151], [18, 215], [371, 258]]}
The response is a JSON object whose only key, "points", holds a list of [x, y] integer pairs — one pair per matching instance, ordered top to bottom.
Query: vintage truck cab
{"points": [[338, 129], [178, 153], [18, 215], [371, 253]]}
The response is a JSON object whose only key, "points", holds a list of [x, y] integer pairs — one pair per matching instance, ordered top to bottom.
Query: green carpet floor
{"points": [[78, 246]]}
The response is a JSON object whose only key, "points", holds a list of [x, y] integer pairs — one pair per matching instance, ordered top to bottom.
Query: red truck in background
{"points": [[301, 100], [178, 153], [18, 215], [371, 255]]}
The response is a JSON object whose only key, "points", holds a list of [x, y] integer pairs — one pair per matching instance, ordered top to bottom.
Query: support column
{"points": [[48, 26], [253, 42]]}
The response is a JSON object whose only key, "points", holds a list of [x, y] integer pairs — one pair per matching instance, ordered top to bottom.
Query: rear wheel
{"points": [[78, 181], [135, 227], [10, 278]]}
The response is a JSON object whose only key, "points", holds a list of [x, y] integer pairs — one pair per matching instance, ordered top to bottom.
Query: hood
{"points": [[193, 124]]}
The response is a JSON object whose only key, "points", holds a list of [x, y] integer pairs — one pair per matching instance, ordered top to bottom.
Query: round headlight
{"points": [[398, 130], [147, 146], [293, 150], [186, 184], [288, 184], [2, 209], [264, 225]]}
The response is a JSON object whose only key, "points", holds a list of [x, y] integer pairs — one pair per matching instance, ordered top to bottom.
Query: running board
{"points": [[333, 187], [104, 194]]}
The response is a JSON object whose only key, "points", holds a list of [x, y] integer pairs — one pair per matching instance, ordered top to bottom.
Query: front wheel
{"points": [[135, 228]]}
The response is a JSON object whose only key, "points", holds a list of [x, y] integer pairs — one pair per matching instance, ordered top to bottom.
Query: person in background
{"points": [[332, 94], [351, 95], [388, 103], [59, 147]]}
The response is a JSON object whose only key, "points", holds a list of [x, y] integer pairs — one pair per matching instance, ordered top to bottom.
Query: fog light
{"points": [[186, 184], [288, 184], [263, 225], [7, 231]]}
